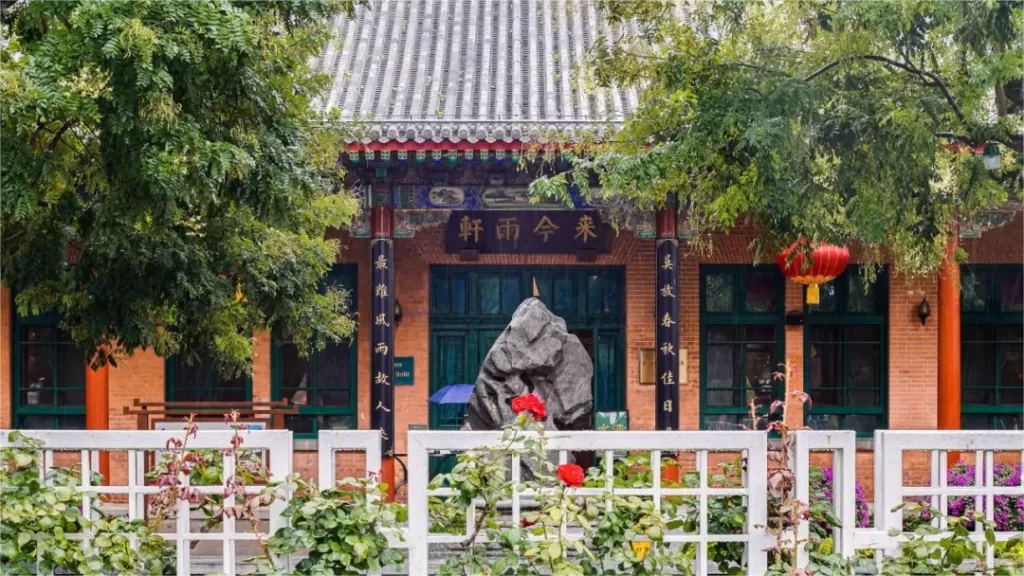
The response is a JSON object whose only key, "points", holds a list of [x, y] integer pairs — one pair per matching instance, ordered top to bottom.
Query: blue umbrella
{"points": [[453, 394]]}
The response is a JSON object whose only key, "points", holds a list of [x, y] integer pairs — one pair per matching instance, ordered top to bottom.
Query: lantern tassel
{"points": [[813, 295]]}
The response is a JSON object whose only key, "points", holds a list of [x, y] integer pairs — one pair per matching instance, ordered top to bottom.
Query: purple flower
{"points": [[821, 491], [1009, 510]]}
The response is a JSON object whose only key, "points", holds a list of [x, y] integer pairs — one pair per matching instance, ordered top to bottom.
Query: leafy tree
{"points": [[845, 122], [167, 183]]}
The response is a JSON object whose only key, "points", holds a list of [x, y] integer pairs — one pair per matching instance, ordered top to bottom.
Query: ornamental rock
{"points": [[535, 353]]}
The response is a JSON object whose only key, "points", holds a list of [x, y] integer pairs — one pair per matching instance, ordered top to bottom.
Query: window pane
{"points": [[1011, 292], [761, 293], [974, 293], [509, 294], [595, 294], [458, 295], [490, 295], [718, 295], [442, 296], [611, 296], [861, 297], [564, 298], [828, 298], [721, 334], [760, 334], [759, 361], [759, 364], [976, 364], [863, 365], [37, 366], [334, 366], [826, 366], [71, 373], [721, 373], [1011, 374], [295, 375], [189, 382], [198, 383], [229, 390], [605, 396], [864, 398], [824, 421], [337, 422], [725, 422], [975, 422], [1009, 422], [300, 424], [863, 424]]}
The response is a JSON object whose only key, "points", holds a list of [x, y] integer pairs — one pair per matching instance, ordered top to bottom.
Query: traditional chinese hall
{"points": [[450, 109]]}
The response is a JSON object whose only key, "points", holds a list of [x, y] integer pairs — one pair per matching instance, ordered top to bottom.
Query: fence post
{"points": [[800, 457], [888, 480], [757, 513], [419, 522]]}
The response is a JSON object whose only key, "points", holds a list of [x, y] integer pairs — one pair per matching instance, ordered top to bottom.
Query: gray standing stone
{"points": [[535, 353]]}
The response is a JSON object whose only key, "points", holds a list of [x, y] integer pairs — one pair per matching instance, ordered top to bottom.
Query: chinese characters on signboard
{"points": [[526, 231], [667, 335], [382, 339]]}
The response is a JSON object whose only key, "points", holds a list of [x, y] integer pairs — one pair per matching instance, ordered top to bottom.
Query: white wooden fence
{"points": [[144, 445], [753, 446], [890, 486]]}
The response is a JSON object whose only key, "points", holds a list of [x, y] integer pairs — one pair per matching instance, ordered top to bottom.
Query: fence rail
{"points": [[890, 480]]}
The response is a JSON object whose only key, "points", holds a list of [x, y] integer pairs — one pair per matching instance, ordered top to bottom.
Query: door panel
{"points": [[588, 298], [449, 364], [609, 394]]}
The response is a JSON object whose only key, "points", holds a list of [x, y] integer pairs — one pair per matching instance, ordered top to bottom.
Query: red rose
{"points": [[530, 403], [571, 475], [526, 523]]}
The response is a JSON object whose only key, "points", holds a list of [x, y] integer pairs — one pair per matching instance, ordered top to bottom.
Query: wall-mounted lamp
{"points": [[924, 310], [398, 311]]}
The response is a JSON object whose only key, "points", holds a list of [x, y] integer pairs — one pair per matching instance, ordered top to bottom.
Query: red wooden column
{"points": [[382, 330], [949, 339], [97, 408]]}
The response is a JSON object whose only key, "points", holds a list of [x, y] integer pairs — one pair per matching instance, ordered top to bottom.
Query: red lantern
{"points": [[827, 262]]}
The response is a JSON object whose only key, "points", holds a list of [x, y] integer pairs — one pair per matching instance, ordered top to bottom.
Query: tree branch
{"points": [[933, 79]]}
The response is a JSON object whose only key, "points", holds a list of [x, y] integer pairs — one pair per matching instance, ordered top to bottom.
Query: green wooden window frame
{"points": [[734, 306], [850, 315], [460, 316], [990, 328], [213, 388], [61, 404], [311, 417]]}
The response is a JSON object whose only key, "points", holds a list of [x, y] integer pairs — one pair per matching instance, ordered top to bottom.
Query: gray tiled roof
{"points": [[470, 70]]}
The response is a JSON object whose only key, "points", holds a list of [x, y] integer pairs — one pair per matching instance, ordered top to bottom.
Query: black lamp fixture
{"points": [[924, 310], [398, 311]]}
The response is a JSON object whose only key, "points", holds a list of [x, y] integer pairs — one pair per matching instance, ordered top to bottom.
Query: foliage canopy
{"points": [[845, 122], [166, 181]]}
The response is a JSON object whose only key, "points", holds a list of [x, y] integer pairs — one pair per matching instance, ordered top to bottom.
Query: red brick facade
{"points": [[912, 369]]}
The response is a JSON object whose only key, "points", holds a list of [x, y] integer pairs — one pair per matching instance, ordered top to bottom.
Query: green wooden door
{"points": [[471, 305]]}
